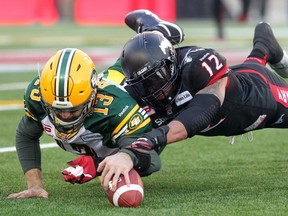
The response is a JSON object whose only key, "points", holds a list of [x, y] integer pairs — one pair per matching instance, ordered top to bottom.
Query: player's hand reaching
{"points": [[112, 167], [80, 170], [35, 191]]}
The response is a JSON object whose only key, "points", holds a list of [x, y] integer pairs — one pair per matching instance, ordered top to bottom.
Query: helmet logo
{"points": [[164, 45]]}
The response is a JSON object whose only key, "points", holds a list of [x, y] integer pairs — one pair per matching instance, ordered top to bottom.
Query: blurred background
{"points": [[32, 30]]}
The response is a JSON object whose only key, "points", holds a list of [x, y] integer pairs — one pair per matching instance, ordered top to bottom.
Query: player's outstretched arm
{"points": [[34, 184]]}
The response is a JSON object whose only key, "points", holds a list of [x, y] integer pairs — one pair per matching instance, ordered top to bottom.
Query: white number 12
{"points": [[218, 65]]}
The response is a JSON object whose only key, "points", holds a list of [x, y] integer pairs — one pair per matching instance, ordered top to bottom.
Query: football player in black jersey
{"points": [[193, 91]]}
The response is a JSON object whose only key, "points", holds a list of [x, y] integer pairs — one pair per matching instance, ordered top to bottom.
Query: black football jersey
{"points": [[255, 97]]}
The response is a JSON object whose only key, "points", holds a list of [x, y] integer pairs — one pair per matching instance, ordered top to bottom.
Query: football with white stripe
{"points": [[127, 196]]}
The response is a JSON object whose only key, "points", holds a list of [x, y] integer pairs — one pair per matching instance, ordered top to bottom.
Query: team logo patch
{"points": [[136, 120], [65, 136]]}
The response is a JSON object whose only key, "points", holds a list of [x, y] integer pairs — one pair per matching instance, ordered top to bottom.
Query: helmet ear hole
{"points": [[78, 68]]}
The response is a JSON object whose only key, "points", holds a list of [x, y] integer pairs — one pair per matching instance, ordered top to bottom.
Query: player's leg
{"points": [[145, 20], [266, 49]]}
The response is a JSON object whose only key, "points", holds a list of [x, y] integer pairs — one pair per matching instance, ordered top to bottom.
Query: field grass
{"points": [[199, 176]]}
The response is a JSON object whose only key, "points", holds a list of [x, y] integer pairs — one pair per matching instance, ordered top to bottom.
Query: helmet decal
{"points": [[164, 45], [62, 75]]}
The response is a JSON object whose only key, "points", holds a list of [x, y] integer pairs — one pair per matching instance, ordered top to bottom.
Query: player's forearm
{"points": [[177, 132], [27, 144], [34, 178]]}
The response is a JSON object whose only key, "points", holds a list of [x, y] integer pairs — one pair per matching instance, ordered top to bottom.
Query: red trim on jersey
{"points": [[257, 60], [255, 72], [218, 75], [280, 93]]}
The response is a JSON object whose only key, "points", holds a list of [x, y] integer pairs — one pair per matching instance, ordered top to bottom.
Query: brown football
{"points": [[127, 196]]}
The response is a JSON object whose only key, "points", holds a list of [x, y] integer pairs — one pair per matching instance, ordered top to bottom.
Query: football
{"points": [[127, 196]]}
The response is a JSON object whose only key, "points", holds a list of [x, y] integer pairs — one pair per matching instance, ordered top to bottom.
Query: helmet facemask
{"points": [[157, 87], [74, 123]]}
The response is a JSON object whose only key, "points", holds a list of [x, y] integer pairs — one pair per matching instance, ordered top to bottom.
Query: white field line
{"points": [[13, 86], [11, 107], [42, 146]]}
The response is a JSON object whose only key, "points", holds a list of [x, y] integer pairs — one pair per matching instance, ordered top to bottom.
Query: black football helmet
{"points": [[149, 64]]}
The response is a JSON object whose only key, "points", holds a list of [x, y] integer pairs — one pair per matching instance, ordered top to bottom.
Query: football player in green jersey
{"points": [[84, 113]]}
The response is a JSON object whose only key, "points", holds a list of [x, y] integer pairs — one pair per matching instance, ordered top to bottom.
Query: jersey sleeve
{"points": [[201, 67], [30, 130], [28, 134]]}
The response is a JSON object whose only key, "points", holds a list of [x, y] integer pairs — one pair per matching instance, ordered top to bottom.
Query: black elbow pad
{"points": [[199, 113]]}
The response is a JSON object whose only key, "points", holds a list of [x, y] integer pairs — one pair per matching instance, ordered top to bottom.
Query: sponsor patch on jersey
{"points": [[183, 97], [123, 111], [136, 120], [90, 137]]}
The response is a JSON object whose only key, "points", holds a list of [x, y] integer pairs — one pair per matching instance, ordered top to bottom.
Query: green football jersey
{"points": [[115, 114]]}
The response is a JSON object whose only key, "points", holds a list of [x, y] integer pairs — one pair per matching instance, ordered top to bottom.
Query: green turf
{"points": [[199, 176]]}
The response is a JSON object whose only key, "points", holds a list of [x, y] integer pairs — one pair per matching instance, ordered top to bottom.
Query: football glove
{"points": [[80, 170]]}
